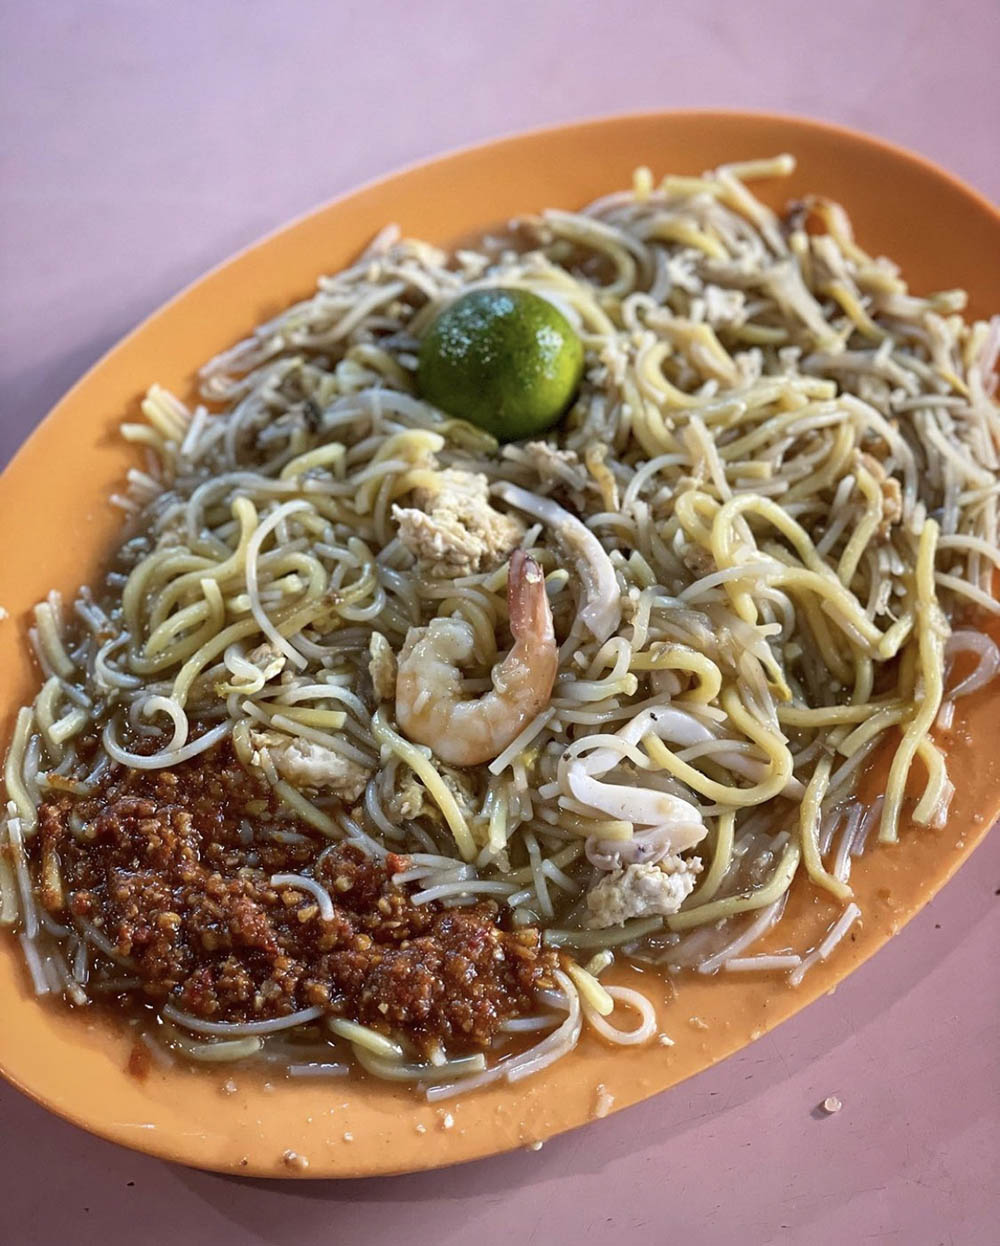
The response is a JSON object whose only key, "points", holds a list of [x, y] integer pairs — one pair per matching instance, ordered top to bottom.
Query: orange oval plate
{"points": [[58, 526]]}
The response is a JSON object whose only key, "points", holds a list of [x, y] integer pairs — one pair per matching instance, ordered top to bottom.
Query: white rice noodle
{"points": [[263, 530], [745, 571], [91, 613], [48, 617], [987, 668], [109, 675], [153, 705], [520, 742], [166, 757], [31, 769], [377, 816], [869, 818], [828, 828], [360, 838], [842, 861], [430, 865], [554, 874], [539, 882], [310, 885], [24, 887], [463, 889], [760, 925], [54, 928], [837, 932], [103, 944], [761, 964], [35, 966], [81, 968], [56, 973], [115, 986], [553, 999], [635, 1000], [524, 1025], [240, 1029], [561, 1040], [552, 1048], [157, 1050], [217, 1053], [319, 1069], [395, 1070]]}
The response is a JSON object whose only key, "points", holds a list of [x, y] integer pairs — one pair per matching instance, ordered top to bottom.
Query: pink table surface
{"points": [[142, 141]]}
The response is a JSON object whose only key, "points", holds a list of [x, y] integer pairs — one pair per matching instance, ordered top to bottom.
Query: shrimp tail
{"points": [[527, 600], [430, 707]]}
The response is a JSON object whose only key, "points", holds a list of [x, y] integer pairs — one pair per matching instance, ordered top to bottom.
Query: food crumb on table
{"points": [[699, 1023], [665, 1040], [229, 1087], [605, 1101], [831, 1104], [447, 1121], [420, 1127], [348, 1136], [535, 1146], [295, 1161]]}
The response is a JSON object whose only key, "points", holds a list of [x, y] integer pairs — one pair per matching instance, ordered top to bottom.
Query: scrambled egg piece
{"points": [[724, 307], [595, 456], [453, 530], [697, 560], [268, 659], [382, 667], [305, 764], [463, 788], [410, 799], [407, 801], [641, 891]]}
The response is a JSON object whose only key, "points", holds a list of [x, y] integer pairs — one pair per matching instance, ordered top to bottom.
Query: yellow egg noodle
{"points": [[767, 527]]}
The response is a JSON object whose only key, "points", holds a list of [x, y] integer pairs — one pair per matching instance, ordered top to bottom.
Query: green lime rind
{"points": [[506, 360]]}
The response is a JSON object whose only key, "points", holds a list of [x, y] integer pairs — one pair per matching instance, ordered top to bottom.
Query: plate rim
{"points": [[699, 115], [463, 150]]}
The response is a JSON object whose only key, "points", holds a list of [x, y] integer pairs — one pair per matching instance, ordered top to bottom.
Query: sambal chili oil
{"points": [[174, 868]]}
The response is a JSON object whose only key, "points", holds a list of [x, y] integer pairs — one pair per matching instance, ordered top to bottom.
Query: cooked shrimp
{"points": [[429, 704]]}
